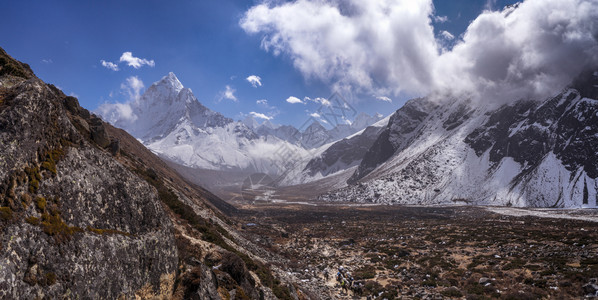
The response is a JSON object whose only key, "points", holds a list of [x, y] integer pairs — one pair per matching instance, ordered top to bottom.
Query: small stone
{"points": [[590, 289]]}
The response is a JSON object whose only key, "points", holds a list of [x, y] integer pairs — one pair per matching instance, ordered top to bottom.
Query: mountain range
{"points": [[170, 121], [433, 150]]}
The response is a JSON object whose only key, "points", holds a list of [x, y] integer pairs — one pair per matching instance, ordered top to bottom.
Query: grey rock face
{"points": [[565, 125], [397, 135], [315, 136], [344, 153], [81, 225], [207, 286]]}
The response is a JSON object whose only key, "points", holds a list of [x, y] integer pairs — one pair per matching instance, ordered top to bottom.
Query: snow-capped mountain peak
{"points": [[171, 80], [166, 88], [164, 106], [364, 120], [171, 122], [250, 122], [269, 124], [314, 127]]}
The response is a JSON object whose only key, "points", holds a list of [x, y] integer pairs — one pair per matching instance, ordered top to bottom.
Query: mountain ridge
{"points": [[178, 127], [527, 153]]}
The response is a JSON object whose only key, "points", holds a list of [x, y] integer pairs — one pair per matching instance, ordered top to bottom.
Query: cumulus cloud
{"points": [[362, 44], [388, 46], [525, 51], [130, 60], [135, 62], [109, 65], [254, 80], [229, 93], [383, 98], [294, 100], [262, 102], [315, 115], [260, 116]]}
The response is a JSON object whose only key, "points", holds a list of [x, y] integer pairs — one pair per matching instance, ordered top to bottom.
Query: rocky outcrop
{"points": [[398, 134], [343, 154], [75, 222]]}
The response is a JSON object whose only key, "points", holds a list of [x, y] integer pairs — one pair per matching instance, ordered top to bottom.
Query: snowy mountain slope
{"points": [[162, 108], [171, 122], [397, 135], [345, 153], [527, 153], [336, 160]]}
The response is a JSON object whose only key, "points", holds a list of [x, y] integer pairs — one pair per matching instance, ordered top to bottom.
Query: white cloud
{"points": [[440, 19], [447, 35], [363, 44], [388, 46], [526, 51], [47, 61], [135, 62], [109, 65], [254, 80], [133, 87], [229, 93], [383, 98], [294, 100], [319, 100], [323, 101], [272, 110], [115, 113], [122, 113], [315, 115], [260, 116]]}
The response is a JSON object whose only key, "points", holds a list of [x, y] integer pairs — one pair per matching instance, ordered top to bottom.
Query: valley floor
{"points": [[430, 252]]}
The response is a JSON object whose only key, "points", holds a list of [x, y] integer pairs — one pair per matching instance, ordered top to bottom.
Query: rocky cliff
{"points": [[74, 220]]}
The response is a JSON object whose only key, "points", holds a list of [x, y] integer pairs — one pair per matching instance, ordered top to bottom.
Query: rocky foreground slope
{"points": [[87, 212]]}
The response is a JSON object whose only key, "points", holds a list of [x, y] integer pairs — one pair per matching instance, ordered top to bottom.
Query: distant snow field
{"points": [[571, 214]]}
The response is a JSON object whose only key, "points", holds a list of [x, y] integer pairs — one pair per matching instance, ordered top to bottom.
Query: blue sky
{"points": [[202, 42]]}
